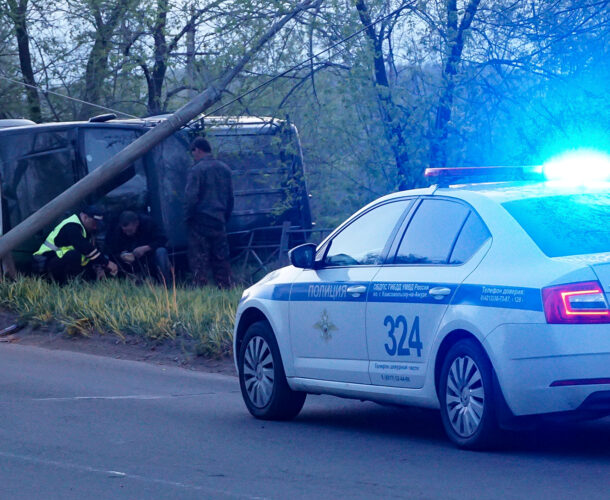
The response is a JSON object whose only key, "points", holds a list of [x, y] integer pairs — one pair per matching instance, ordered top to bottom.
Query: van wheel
{"points": [[262, 379], [467, 397]]}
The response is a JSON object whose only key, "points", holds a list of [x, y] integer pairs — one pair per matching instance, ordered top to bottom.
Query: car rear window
{"points": [[565, 225]]}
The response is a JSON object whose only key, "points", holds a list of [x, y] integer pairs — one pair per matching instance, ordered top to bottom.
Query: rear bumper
{"points": [[552, 368]]}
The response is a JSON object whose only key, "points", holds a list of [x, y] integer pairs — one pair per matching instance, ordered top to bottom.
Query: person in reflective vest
{"points": [[69, 248]]}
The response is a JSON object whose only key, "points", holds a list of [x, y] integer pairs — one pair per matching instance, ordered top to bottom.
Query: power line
{"points": [[305, 61], [258, 87], [67, 97]]}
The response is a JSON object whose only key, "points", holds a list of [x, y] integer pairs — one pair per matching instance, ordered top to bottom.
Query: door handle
{"points": [[356, 289], [438, 292]]}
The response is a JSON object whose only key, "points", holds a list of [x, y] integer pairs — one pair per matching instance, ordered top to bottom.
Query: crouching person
{"points": [[138, 245], [69, 250]]}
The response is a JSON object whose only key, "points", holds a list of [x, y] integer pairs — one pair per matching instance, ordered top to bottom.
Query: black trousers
{"points": [[69, 266]]}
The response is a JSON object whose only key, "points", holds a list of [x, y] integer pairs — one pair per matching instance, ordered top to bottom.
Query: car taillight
{"points": [[576, 303]]}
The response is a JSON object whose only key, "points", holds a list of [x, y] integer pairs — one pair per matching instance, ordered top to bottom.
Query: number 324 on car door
{"points": [[398, 328], [395, 347]]}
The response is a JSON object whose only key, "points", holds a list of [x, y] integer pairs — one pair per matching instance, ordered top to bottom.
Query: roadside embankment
{"points": [[200, 321]]}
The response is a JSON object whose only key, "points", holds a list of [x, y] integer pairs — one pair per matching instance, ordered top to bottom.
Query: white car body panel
{"points": [[495, 297], [328, 324]]}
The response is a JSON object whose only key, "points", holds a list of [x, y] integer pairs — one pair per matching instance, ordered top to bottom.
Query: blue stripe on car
{"points": [[413, 293], [499, 296]]}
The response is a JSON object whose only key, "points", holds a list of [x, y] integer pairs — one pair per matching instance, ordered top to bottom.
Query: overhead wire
{"points": [[305, 61], [241, 96], [105, 108]]}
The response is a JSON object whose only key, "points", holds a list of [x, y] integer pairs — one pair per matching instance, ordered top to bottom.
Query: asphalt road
{"points": [[80, 426]]}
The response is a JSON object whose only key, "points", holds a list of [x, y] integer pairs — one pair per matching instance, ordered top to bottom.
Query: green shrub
{"points": [[200, 318]]}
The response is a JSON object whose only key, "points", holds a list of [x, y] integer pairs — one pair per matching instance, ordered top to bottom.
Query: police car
{"points": [[486, 300]]}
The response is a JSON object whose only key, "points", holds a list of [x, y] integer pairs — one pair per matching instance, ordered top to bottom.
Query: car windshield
{"points": [[565, 225]]}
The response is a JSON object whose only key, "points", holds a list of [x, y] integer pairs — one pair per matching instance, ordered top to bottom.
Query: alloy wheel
{"points": [[258, 372], [465, 396]]}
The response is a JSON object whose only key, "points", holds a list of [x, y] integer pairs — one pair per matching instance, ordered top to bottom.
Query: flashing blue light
{"points": [[578, 168]]}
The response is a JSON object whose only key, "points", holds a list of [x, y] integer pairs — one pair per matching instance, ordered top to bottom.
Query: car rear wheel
{"points": [[262, 379], [467, 396]]}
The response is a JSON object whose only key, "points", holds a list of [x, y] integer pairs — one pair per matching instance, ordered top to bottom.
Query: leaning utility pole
{"points": [[115, 165]]}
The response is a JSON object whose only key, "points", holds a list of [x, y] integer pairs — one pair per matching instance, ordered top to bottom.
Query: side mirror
{"points": [[303, 256]]}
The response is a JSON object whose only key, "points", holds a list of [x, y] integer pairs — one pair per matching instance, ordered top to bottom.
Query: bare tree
{"points": [[17, 11], [105, 17], [456, 34], [164, 48], [393, 118]]}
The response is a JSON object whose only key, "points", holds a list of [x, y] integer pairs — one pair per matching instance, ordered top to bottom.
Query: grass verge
{"points": [[202, 317]]}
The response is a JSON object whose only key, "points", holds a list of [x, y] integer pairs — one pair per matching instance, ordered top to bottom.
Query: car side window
{"points": [[432, 233], [471, 238], [363, 241]]}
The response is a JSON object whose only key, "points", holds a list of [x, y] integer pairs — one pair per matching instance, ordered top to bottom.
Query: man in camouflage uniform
{"points": [[209, 203]]}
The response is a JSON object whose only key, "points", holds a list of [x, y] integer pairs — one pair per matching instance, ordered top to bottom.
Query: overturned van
{"points": [[38, 162]]}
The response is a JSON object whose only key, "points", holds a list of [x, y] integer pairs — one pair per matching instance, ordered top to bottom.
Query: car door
{"points": [[433, 254], [327, 304]]}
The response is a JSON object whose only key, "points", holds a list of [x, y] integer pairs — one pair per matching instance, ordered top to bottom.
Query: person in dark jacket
{"points": [[209, 203], [138, 244], [69, 249]]}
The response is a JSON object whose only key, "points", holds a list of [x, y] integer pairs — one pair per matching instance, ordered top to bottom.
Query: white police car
{"points": [[488, 301]]}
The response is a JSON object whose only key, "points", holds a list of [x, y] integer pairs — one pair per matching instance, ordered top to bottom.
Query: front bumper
{"points": [[552, 368]]}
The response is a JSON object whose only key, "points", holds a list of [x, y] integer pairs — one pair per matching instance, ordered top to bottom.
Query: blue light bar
{"points": [[578, 167], [473, 175]]}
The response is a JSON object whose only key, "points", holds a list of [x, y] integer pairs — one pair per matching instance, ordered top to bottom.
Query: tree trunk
{"points": [[19, 16], [455, 48], [190, 58], [97, 63], [157, 77], [393, 128]]}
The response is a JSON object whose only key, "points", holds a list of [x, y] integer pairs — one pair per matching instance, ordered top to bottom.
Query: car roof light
{"points": [[579, 167], [468, 175]]}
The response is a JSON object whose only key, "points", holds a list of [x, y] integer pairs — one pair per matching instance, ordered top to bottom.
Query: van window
{"points": [[36, 166], [129, 189]]}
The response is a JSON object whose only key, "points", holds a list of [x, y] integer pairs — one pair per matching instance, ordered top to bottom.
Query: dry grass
{"points": [[120, 307]]}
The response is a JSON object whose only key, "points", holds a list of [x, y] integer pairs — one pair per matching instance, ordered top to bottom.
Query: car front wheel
{"points": [[262, 379], [467, 396]]}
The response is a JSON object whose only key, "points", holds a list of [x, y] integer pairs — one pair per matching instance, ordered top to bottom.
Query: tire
{"points": [[262, 379], [467, 399]]}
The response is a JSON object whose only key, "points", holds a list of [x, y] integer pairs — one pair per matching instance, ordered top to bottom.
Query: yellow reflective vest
{"points": [[49, 243]]}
